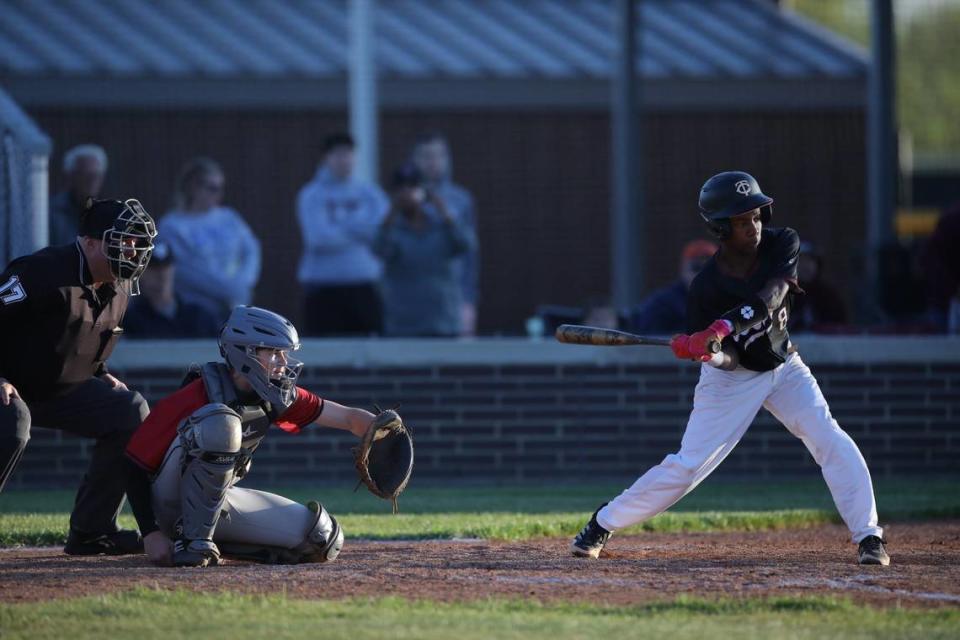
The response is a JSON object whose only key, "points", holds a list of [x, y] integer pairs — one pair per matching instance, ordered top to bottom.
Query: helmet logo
{"points": [[743, 187], [746, 312]]}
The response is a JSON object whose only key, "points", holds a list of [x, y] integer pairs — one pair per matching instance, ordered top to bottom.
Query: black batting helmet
{"points": [[729, 194]]}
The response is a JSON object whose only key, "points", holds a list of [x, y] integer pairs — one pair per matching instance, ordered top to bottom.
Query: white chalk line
{"points": [[857, 583]]}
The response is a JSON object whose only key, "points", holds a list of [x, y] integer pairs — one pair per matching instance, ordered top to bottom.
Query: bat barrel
{"points": [[579, 334]]}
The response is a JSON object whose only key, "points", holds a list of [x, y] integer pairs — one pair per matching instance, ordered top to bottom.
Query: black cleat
{"points": [[589, 542], [117, 543], [871, 551], [195, 553]]}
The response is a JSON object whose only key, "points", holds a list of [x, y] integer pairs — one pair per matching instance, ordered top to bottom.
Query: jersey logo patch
{"points": [[743, 187], [12, 291], [746, 312]]}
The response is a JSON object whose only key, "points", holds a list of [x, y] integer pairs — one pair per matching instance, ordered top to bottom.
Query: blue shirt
{"points": [[461, 206], [218, 257], [422, 292], [663, 312]]}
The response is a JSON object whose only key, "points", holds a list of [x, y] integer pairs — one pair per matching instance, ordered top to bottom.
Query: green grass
{"points": [[511, 512], [145, 614]]}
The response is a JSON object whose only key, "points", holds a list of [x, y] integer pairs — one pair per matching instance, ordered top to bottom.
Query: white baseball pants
{"points": [[724, 405]]}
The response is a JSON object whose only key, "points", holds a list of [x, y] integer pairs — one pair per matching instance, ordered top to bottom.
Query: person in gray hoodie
{"points": [[431, 155], [339, 217], [420, 242]]}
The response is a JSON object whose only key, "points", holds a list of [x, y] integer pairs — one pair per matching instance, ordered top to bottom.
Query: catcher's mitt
{"points": [[384, 458]]}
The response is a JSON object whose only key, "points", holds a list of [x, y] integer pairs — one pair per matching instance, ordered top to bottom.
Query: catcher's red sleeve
{"points": [[304, 410], [152, 439]]}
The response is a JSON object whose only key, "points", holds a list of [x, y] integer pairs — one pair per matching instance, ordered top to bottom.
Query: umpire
{"points": [[60, 315]]}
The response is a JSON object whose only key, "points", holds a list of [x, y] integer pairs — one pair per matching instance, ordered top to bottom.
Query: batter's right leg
{"points": [[799, 404], [724, 405], [14, 435]]}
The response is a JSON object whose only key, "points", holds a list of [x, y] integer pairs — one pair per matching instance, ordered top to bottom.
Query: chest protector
{"points": [[255, 419]]}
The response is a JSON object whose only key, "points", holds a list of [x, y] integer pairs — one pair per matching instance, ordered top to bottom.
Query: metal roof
{"points": [[415, 38], [540, 40]]}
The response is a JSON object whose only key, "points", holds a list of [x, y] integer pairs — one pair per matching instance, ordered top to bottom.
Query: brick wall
{"points": [[518, 421]]}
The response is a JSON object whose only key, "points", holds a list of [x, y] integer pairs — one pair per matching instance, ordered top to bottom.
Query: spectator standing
{"points": [[431, 154], [85, 167], [339, 215], [420, 242], [218, 255], [820, 307], [665, 310], [159, 313]]}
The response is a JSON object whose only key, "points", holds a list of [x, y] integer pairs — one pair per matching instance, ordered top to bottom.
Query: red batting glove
{"points": [[699, 343], [680, 346]]}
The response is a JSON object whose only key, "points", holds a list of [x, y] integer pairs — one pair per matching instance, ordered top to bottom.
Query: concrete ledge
{"points": [[177, 354]]}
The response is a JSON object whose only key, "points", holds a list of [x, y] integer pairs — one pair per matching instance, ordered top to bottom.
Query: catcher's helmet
{"points": [[729, 194], [251, 328]]}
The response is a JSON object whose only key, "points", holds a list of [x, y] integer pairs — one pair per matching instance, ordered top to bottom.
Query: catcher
{"points": [[188, 455]]}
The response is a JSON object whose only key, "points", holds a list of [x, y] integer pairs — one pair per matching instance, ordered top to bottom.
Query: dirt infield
{"points": [[925, 569]]}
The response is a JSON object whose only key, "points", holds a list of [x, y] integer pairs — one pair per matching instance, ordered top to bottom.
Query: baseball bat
{"points": [[579, 334]]}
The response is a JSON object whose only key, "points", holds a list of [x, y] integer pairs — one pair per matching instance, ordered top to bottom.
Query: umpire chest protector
{"points": [[255, 417]]}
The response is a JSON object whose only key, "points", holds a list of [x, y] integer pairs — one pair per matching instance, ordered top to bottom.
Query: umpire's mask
{"points": [[127, 233]]}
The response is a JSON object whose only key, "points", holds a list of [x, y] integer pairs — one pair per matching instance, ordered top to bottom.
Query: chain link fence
{"points": [[24, 154]]}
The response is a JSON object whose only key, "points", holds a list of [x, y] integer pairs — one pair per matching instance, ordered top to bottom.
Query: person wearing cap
{"points": [[339, 214], [420, 242], [665, 310], [160, 313], [60, 315]]}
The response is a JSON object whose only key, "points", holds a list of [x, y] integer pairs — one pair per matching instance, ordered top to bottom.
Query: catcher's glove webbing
{"points": [[384, 458]]}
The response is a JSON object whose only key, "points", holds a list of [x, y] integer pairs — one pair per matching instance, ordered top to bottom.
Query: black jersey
{"points": [[712, 294], [56, 329]]}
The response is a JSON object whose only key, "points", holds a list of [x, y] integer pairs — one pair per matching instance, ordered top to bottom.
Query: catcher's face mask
{"points": [[128, 245], [279, 365], [275, 370]]}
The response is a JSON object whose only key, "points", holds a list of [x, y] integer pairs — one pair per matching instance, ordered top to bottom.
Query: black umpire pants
{"points": [[93, 410]]}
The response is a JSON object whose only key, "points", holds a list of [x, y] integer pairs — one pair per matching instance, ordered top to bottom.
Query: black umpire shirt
{"points": [[56, 329]]}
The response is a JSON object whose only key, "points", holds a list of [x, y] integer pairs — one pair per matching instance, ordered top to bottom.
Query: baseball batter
{"points": [[741, 299]]}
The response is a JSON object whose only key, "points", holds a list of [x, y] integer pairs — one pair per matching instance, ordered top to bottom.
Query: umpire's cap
{"points": [[98, 216]]}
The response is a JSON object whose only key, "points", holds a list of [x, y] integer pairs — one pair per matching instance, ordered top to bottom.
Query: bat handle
{"points": [[713, 346]]}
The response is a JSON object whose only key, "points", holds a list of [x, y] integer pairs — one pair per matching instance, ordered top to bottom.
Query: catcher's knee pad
{"points": [[211, 439], [323, 540]]}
